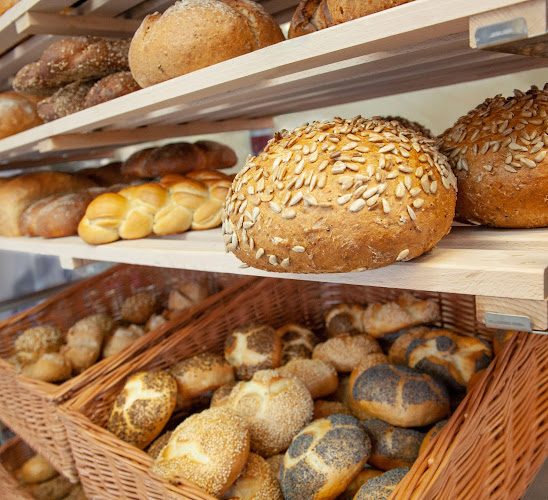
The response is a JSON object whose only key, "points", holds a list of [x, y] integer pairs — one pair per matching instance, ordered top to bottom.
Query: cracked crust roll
{"points": [[340, 196]]}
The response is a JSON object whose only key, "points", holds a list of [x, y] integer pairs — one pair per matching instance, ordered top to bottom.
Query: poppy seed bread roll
{"points": [[499, 153], [339, 196], [297, 342], [381, 487]]}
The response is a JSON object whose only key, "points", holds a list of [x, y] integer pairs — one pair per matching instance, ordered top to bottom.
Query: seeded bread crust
{"points": [[110, 87], [498, 152], [339, 196], [345, 351], [318, 376], [381, 487]]}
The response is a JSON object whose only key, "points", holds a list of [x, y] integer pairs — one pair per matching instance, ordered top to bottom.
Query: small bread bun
{"points": [[499, 154], [340, 196], [138, 308], [407, 311], [345, 318], [155, 321], [121, 338], [500, 338], [387, 341], [34, 342], [297, 342], [251, 348], [345, 351], [398, 351], [49, 367], [201, 373], [318, 376], [399, 395], [220, 396], [275, 407], [143, 408], [324, 409], [432, 433], [158, 444], [392, 447], [209, 449], [324, 458], [275, 462], [35, 470], [366, 474], [256, 482], [381, 487], [56, 488]]}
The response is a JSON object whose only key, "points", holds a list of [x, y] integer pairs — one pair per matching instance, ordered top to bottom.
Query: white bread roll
{"points": [[121, 338], [49, 367]]}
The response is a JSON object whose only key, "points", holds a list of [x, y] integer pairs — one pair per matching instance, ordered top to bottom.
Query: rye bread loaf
{"points": [[110, 87]]}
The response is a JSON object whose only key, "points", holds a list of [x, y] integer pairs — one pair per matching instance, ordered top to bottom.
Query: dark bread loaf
{"points": [[110, 87], [65, 101], [381, 487]]}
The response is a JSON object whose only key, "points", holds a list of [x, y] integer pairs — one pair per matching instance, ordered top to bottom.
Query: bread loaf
{"points": [[193, 34], [70, 60], [110, 87], [65, 101], [17, 113], [498, 152], [108, 175], [24, 190], [338, 196], [174, 205], [120, 339], [34, 342], [345, 351], [318, 376], [143, 407], [209, 449], [324, 458], [35, 470], [381, 487]]}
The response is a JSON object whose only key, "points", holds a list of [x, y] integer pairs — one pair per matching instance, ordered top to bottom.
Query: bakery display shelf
{"points": [[414, 46]]}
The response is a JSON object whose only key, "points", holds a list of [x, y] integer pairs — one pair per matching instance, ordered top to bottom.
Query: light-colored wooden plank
{"points": [[42, 23], [132, 136], [34, 160], [536, 310]]}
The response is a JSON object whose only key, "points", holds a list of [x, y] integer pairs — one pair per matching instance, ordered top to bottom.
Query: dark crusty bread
{"points": [[110, 87], [65, 101], [17, 113], [107, 175], [324, 458], [381, 487]]}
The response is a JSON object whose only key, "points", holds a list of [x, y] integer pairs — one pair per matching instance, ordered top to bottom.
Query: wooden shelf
{"points": [[414, 46], [470, 260]]}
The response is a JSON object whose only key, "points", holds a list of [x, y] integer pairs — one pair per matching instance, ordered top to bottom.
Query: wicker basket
{"points": [[28, 406], [13, 454], [110, 468]]}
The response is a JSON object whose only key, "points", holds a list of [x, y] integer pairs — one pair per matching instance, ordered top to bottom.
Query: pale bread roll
{"points": [[120, 339], [34, 342], [49, 367], [318, 376], [35, 470]]}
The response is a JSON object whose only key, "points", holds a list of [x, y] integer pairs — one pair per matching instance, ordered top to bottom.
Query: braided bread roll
{"points": [[173, 205]]}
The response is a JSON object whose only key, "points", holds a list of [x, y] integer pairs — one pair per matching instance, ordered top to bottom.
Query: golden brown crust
{"points": [[346, 10], [110, 87], [17, 113], [410, 124], [498, 152], [339, 196], [138, 308], [345, 318], [121, 338], [34, 342], [297, 342], [345, 351], [49, 367], [318, 376], [220, 396], [143, 407], [324, 409], [432, 433], [158, 444], [209, 449], [324, 458], [35, 470], [366, 474], [381, 487]]}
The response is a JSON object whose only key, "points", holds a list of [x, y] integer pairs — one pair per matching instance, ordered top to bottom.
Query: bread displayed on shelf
{"points": [[6, 5], [315, 15], [193, 34], [110, 87], [65, 101], [17, 113], [498, 152], [340, 196], [173, 205]]}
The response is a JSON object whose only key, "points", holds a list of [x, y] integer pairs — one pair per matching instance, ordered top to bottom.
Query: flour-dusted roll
{"points": [[498, 152], [338, 196], [297, 342], [345, 351], [49, 367], [318, 376], [143, 408], [209, 449], [324, 458], [381, 487]]}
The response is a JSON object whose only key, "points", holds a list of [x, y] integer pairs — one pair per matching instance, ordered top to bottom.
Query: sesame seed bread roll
{"points": [[193, 34], [498, 152], [339, 196], [138, 308], [345, 318], [297, 342], [251, 348], [345, 351], [318, 376], [220, 396], [143, 407], [275, 407], [324, 409], [432, 433], [391, 446], [209, 449], [324, 458], [275, 462], [256, 482], [381, 487]]}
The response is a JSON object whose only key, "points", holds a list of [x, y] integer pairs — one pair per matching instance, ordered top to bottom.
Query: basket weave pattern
{"points": [[30, 407], [13, 454], [112, 469]]}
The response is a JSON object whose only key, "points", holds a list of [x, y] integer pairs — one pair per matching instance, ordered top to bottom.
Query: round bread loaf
{"points": [[193, 34], [110, 87], [17, 113], [404, 122], [498, 152], [338, 196], [138, 308], [345, 318], [34, 342], [297, 342], [251, 348], [345, 351], [367, 362], [49, 367], [201, 373], [318, 376], [399, 395], [220, 396], [143, 407], [275, 407], [324, 409], [432, 433], [158, 445], [392, 447], [209, 449], [324, 458], [35, 470], [366, 474], [256, 482], [381, 487]]}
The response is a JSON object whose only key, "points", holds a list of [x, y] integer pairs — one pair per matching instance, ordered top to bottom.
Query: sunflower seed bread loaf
{"points": [[499, 153], [339, 196]]}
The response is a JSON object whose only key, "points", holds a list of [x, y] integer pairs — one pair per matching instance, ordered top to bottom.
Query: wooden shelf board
{"points": [[393, 51], [470, 260]]}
